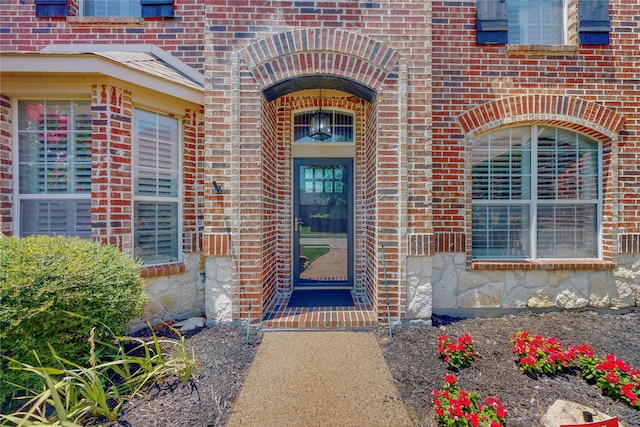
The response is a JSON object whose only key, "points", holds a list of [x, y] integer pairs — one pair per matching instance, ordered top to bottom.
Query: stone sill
{"points": [[105, 21], [540, 49], [544, 265], [162, 269]]}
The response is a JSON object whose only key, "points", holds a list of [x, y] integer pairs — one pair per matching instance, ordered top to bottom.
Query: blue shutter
{"points": [[51, 8], [157, 8], [491, 22], [594, 23]]}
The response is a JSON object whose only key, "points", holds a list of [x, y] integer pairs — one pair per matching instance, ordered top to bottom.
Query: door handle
{"points": [[297, 223]]}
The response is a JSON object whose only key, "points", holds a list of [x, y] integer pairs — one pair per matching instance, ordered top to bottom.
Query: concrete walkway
{"points": [[319, 379]]}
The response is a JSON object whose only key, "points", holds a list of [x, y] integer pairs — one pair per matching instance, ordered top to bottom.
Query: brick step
{"points": [[321, 318]]}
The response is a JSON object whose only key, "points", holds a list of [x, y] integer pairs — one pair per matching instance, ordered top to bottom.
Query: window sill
{"points": [[110, 21], [540, 49], [543, 265], [162, 269]]}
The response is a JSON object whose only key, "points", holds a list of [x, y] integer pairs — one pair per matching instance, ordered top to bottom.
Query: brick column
{"points": [[6, 168], [111, 187]]}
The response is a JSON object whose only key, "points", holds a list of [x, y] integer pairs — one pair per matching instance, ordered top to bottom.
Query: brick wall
{"points": [[183, 35], [6, 167]]}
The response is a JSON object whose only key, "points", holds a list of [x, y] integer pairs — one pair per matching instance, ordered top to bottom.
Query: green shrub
{"points": [[44, 278]]}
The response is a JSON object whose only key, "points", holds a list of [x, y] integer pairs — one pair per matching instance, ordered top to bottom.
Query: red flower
{"points": [[612, 378], [450, 379], [473, 419]]}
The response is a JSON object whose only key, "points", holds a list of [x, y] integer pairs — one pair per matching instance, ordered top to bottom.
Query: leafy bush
{"points": [[42, 280], [75, 395]]}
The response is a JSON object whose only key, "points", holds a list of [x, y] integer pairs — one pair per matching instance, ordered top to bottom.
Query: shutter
{"points": [[51, 8], [157, 8], [491, 22], [594, 23]]}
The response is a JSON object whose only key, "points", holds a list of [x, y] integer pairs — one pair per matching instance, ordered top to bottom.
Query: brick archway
{"points": [[304, 52], [577, 114], [261, 266]]}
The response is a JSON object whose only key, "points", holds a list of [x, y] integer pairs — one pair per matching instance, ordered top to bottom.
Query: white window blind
{"points": [[111, 8], [536, 22], [54, 167], [156, 189], [536, 194]]}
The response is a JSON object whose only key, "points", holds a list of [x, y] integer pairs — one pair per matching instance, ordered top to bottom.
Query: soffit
{"points": [[145, 69]]}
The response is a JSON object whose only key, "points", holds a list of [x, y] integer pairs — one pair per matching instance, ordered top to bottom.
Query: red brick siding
{"points": [[182, 36], [6, 167], [111, 179], [192, 179], [272, 206]]}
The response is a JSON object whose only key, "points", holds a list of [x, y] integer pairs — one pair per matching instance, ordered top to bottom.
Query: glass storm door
{"points": [[323, 212]]}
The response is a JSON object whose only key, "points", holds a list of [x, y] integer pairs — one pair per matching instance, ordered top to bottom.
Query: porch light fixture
{"points": [[320, 125]]}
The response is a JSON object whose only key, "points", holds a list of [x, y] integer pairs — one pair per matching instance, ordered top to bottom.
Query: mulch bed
{"points": [[412, 356]]}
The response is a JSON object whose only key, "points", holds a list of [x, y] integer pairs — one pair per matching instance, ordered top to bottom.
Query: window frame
{"points": [[20, 198], [177, 199], [535, 201]]}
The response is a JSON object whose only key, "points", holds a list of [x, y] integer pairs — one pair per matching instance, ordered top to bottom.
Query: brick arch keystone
{"points": [[308, 51], [582, 116]]}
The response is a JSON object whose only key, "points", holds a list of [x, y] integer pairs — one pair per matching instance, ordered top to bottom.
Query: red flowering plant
{"points": [[457, 354], [538, 355], [614, 376], [456, 407]]}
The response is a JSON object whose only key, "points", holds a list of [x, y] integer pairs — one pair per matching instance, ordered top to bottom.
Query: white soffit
{"points": [[146, 66]]}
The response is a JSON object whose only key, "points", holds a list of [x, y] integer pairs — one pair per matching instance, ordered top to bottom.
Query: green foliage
{"points": [[44, 278], [458, 354], [614, 376], [74, 395], [456, 407]]}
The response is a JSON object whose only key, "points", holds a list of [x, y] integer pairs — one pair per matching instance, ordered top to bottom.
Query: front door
{"points": [[323, 223]]}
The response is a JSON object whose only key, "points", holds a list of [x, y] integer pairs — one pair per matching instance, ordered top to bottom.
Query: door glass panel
{"points": [[322, 224]]}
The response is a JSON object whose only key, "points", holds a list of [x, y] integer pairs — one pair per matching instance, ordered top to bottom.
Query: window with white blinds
{"points": [[111, 8], [536, 22], [54, 167], [156, 187], [536, 194]]}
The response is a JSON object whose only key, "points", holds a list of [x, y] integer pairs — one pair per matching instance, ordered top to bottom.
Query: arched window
{"points": [[341, 126], [536, 194]]}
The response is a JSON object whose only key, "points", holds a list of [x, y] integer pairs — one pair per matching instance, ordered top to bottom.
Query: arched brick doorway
{"points": [[270, 79]]}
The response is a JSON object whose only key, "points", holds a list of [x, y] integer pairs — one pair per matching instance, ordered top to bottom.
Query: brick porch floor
{"points": [[279, 316]]}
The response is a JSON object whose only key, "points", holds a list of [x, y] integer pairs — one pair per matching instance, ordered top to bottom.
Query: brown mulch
{"points": [[224, 357], [412, 357]]}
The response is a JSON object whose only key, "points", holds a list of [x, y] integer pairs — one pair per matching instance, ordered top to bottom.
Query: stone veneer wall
{"points": [[456, 287], [219, 290], [176, 296]]}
